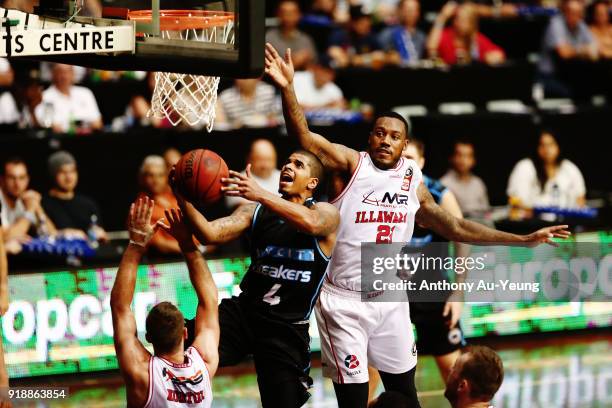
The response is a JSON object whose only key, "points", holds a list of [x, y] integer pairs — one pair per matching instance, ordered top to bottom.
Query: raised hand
{"points": [[281, 71], [240, 185], [139, 224], [178, 227], [546, 235]]}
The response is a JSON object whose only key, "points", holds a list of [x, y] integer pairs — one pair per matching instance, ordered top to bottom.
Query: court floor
{"points": [[552, 371]]}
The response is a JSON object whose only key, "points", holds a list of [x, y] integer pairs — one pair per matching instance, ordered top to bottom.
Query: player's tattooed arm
{"points": [[333, 156], [431, 216], [221, 230]]}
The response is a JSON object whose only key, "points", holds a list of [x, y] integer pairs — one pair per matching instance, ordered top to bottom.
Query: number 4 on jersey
{"points": [[384, 234], [270, 298]]}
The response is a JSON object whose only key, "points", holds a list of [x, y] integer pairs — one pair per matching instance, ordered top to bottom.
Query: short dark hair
{"points": [[296, 2], [394, 115], [419, 144], [12, 160], [317, 169], [165, 324], [483, 370], [391, 399]]}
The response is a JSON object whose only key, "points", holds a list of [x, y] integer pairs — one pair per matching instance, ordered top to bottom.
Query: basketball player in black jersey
{"points": [[292, 237]]}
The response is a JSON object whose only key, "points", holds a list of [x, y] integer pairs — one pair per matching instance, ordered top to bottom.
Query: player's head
{"points": [[288, 13], [388, 139], [415, 150], [262, 158], [463, 158], [63, 171], [301, 174], [154, 175], [15, 178], [165, 328], [475, 377], [390, 399]]}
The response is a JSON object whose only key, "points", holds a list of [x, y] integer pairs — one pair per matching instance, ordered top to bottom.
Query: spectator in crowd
{"points": [[326, 13], [601, 28], [287, 35], [567, 37], [404, 42], [461, 43], [358, 45], [6, 73], [316, 88], [249, 103], [22, 106], [73, 106], [171, 156], [262, 158], [546, 179], [154, 184], [470, 190], [22, 214], [73, 214], [475, 378]]}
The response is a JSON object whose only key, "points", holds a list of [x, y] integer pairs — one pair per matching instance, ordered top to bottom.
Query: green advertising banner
{"points": [[60, 322]]}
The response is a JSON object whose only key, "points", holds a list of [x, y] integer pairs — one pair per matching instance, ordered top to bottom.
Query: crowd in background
{"points": [[324, 36], [544, 179]]}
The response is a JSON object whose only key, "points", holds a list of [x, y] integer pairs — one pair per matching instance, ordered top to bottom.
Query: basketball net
{"points": [[185, 97]]}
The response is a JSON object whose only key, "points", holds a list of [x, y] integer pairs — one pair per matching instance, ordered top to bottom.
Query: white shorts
{"points": [[355, 334]]}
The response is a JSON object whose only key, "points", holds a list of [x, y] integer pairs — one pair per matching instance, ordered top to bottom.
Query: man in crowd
{"points": [[287, 35], [566, 38], [405, 42], [358, 45], [316, 87], [249, 103], [72, 106], [262, 158], [154, 184], [470, 190], [22, 214], [73, 214], [475, 378]]}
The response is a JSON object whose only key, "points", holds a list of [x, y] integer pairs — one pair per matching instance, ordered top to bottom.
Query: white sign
{"points": [[85, 40]]}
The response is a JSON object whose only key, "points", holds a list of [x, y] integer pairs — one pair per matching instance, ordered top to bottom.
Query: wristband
{"points": [[30, 216], [140, 244]]}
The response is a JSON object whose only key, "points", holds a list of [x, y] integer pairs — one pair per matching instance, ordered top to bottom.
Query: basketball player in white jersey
{"points": [[380, 203], [172, 376]]}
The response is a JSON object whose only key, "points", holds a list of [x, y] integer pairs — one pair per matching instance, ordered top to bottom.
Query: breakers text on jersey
{"points": [[281, 272]]}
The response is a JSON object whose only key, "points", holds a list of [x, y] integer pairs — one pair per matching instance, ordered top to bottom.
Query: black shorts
{"points": [[433, 334], [280, 350]]}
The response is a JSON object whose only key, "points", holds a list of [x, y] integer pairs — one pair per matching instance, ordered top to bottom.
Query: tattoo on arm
{"points": [[228, 228]]}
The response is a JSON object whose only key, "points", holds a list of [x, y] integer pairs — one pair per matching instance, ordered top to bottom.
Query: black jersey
{"points": [[287, 268]]}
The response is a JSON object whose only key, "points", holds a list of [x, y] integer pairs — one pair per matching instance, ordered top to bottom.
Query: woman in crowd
{"points": [[601, 28], [461, 43], [547, 179]]}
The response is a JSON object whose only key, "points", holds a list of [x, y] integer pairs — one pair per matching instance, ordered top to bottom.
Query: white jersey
{"points": [[375, 206], [179, 385]]}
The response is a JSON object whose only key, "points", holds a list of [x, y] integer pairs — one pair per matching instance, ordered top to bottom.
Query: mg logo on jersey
{"points": [[407, 179], [400, 199], [351, 362]]}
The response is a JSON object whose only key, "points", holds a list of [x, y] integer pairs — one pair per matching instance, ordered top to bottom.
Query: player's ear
{"points": [[313, 183], [463, 386]]}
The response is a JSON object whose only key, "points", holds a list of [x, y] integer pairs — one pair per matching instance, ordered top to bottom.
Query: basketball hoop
{"points": [[185, 97]]}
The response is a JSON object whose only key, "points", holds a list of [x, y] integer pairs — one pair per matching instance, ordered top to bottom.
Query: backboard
{"points": [[147, 35]]}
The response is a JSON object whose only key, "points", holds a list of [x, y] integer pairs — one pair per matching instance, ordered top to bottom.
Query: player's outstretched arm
{"points": [[333, 156], [433, 217], [320, 220], [206, 339], [132, 356]]}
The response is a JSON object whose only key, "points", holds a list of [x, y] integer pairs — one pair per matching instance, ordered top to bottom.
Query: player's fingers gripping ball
{"points": [[198, 176]]}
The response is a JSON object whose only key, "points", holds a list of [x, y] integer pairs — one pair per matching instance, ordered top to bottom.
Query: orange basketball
{"points": [[198, 176]]}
